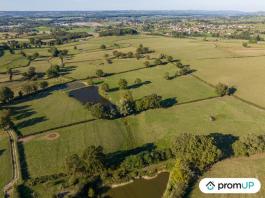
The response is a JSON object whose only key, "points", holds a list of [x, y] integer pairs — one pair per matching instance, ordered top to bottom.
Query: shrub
{"points": [[53, 71], [100, 73], [138, 81], [43, 84], [123, 84], [105, 87], [222, 89], [6, 94], [148, 102], [249, 145], [198, 149]]}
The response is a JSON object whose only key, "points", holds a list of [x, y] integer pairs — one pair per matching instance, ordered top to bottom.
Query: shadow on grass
{"points": [[67, 70], [134, 86], [40, 94], [169, 102], [31, 122], [224, 143], [2, 151], [114, 159], [23, 163]]}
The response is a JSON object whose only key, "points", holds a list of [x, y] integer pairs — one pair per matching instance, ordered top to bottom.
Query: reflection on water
{"points": [[142, 188]]}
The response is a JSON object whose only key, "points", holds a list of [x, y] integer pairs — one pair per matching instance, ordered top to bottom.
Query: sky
{"points": [[38, 5]]}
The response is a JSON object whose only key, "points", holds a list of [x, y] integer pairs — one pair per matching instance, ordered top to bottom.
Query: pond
{"points": [[88, 94], [142, 188]]}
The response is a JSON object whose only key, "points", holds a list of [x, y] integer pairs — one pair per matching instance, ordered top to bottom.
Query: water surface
{"points": [[142, 188]]}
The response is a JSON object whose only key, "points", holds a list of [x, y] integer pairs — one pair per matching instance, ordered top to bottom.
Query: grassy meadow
{"points": [[223, 61], [160, 126], [5, 161], [243, 167]]}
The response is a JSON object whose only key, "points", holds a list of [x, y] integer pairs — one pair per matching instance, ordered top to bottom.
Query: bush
{"points": [[53, 71], [100, 73], [138, 81], [43, 84], [123, 84], [105, 87], [222, 89], [6, 94], [148, 102], [101, 111], [249, 145], [200, 150]]}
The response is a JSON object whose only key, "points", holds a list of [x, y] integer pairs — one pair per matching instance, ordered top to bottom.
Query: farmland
{"points": [[52, 125], [5, 161], [243, 167]]}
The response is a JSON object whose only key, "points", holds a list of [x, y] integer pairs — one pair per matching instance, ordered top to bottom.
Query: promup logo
{"points": [[210, 185], [229, 185]]}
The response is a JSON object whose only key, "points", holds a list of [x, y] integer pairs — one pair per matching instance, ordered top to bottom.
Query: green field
{"points": [[224, 61], [233, 117], [5, 161], [243, 167]]}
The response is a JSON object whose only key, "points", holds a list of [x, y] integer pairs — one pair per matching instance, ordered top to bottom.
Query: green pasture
{"points": [[158, 126], [5, 161], [243, 167]]}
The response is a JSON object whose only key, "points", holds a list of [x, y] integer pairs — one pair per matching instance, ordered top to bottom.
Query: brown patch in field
{"points": [[51, 136]]}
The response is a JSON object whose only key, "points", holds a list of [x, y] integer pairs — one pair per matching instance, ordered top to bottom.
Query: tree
{"points": [[245, 44], [103, 46], [54, 52], [130, 54], [62, 55], [137, 56], [170, 58], [158, 61], [147, 63], [184, 70], [53, 71], [100, 73], [10, 74], [31, 74], [138, 81], [43, 84], [123, 84], [104, 87], [28, 88], [221, 89], [6, 94], [148, 102], [127, 104], [97, 111], [5, 119], [200, 150], [93, 157]]}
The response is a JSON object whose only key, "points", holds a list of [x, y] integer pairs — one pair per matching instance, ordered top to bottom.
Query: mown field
{"points": [[222, 61], [46, 156], [5, 161], [243, 167]]}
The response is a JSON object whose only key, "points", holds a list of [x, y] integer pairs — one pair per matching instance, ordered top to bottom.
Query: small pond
{"points": [[88, 94], [142, 188]]}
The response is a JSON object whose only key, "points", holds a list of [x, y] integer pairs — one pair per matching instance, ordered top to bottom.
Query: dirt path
{"points": [[9, 187]]}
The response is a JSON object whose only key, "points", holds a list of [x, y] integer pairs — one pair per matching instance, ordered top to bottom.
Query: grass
{"points": [[12, 61], [224, 61], [179, 88], [48, 110], [160, 126], [5, 161], [243, 167]]}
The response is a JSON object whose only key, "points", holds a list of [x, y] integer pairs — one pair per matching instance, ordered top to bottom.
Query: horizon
{"points": [[137, 5]]}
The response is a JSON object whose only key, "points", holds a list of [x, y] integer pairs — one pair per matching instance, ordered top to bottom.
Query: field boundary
{"points": [[234, 96], [15, 164]]}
